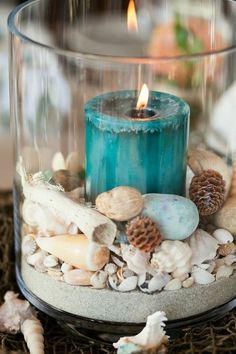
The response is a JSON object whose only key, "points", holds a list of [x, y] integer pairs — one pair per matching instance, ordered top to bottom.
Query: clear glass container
{"points": [[102, 259]]}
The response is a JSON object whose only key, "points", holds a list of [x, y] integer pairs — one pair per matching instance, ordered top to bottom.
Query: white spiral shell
{"points": [[172, 255], [33, 335]]}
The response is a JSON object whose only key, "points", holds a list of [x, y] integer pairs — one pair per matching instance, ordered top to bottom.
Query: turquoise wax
{"points": [[145, 153]]}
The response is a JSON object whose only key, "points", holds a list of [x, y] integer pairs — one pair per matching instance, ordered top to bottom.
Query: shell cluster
{"points": [[128, 241]]}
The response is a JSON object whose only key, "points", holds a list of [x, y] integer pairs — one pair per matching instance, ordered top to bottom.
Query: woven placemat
{"points": [[215, 337]]}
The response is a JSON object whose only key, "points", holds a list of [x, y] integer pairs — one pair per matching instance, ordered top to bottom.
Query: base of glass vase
{"points": [[107, 332]]}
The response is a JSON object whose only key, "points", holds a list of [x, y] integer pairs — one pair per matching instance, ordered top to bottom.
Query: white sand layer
{"points": [[135, 306]]}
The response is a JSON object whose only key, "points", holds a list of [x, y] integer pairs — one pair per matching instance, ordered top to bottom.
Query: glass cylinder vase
{"points": [[124, 143]]}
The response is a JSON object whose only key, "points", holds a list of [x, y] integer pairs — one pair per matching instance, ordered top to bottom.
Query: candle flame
{"points": [[132, 21], [143, 97]]}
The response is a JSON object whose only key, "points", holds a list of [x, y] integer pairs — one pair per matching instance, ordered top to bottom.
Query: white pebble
{"points": [[223, 236], [110, 268], [174, 284]]}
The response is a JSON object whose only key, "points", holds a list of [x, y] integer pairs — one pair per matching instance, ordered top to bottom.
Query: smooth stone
{"points": [[177, 217]]}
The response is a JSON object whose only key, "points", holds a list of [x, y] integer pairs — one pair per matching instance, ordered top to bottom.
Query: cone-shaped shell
{"points": [[76, 250]]}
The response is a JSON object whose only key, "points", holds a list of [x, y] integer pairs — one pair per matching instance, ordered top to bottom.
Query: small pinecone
{"points": [[207, 191], [143, 234]]}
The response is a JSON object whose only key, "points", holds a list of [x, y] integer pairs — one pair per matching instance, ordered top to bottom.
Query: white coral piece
{"points": [[203, 247], [172, 255], [17, 315], [152, 335]]}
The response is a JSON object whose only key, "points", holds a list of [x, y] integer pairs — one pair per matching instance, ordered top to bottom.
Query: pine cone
{"points": [[207, 191], [143, 234]]}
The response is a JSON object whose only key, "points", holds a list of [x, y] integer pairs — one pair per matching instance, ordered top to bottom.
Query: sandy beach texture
{"points": [[134, 306]]}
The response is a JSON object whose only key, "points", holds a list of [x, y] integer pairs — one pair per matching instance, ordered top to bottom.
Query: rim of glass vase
{"points": [[121, 59]]}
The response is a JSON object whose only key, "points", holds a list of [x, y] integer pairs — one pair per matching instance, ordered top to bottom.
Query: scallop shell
{"points": [[200, 160], [121, 203], [225, 217], [222, 236], [29, 245], [203, 246], [227, 249], [76, 250], [171, 255], [137, 261], [224, 271], [78, 277], [203, 277], [99, 279], [128, 284], [174, 284]]}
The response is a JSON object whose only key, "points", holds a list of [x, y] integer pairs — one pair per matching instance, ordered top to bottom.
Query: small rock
{"points": [[177, 217], [66, 267], [111, 268], [99, 279], [174, 284]]}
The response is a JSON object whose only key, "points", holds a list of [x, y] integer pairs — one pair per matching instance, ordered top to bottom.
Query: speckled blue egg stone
{"points": [[177, 217]]}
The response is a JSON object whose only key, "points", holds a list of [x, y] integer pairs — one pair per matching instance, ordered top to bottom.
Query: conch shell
{"points": [[200, 160], [121, 203], [203, 247], [76, 250], [173, 255], [33, 335], [151, 337]]}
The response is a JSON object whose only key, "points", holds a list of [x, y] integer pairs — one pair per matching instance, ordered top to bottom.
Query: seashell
{"points": [[202, 160], [58, 162], [72, 162], [66, 180], [76, 194], [121, 203], [177, 217], [225, 217], [48, 221], [73, 229], [222, 236], [29, 245], [203, 246], [228, 248], [115, 249], [76, 251], [172, 255], [230, 259], [37, 260], [50, 261], [117, 261], [137, 261], [218, 263], [66, 267], [211, 267], [110, 268], [182, 271], [224, 271], [124, 273], [78, 277], [183, 277], [203, 277], [99, 279], [113, 281], [188, 282], [128, 284], [149, 284], [174, 284], [32, 331], [152, 336]]}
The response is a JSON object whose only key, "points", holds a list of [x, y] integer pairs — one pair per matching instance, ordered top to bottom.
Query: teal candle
{"points": [[124, 148]]}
